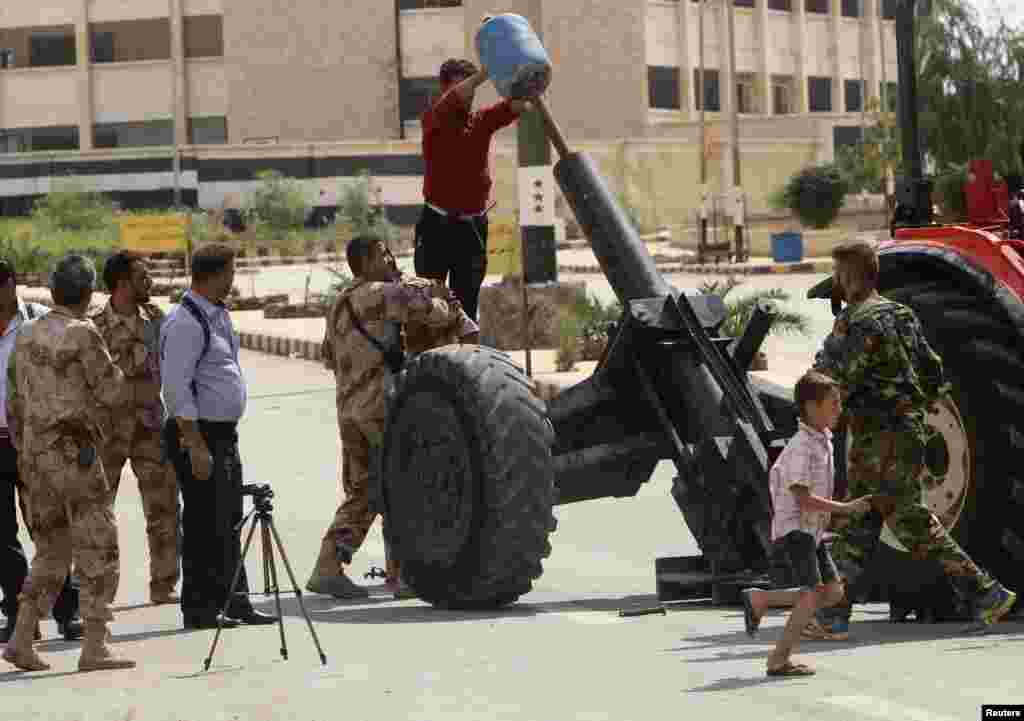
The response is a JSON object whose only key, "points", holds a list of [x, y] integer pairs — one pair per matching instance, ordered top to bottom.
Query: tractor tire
{"points": [[980, 349], [467, 481]]}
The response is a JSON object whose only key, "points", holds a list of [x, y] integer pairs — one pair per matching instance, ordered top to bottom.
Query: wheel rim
{"points": [[948, 473], [429, 476]]}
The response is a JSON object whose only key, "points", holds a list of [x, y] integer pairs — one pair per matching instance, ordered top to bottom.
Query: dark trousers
{"points": [[454, 252], [211, 547], [13, 562]]}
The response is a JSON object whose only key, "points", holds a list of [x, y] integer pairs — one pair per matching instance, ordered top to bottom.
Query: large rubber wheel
{"points": [[981, 353], [467, 479]]}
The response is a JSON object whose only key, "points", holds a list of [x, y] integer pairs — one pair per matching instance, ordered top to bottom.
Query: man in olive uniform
{"points": [[381, 301], [130, 325], [64, 375], [890, 377]]}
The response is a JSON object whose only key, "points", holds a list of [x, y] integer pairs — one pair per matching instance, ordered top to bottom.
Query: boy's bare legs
{"points": [[804, 603]]}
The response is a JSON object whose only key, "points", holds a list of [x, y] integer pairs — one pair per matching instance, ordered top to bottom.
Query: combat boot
{"points": [[329, 577], [991, 607], [19, 649], [96, 655]]}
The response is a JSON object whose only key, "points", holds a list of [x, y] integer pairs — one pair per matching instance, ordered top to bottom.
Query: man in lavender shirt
{"points": [[205, 394]]}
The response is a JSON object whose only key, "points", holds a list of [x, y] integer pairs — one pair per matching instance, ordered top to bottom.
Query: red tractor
{"points": [[966, 283]]}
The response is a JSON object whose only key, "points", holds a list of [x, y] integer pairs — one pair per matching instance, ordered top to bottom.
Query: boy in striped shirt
{"points": [[802, 484]]}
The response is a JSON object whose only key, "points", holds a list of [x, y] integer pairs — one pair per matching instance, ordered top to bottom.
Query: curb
{"points": [[807, 267], [280, 346], [309, 350]]}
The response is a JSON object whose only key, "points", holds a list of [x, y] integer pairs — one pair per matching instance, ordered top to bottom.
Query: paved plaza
{"points": [[562, 653]]}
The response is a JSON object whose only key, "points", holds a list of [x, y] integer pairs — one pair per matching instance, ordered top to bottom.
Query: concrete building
{"points": [[117, 89]]}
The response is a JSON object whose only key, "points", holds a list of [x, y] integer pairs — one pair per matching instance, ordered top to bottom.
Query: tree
{"points": [[971, 89]]}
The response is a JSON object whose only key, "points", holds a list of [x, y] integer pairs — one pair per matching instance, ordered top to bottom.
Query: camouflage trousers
{"points": [[889, 464], [158, 487], [353, 519], [71, 520]]}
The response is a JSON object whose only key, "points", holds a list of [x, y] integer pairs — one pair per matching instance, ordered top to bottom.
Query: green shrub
{"points": [[815, 195], [277, 205], [73, 206], [356, 208], [739, 311]]}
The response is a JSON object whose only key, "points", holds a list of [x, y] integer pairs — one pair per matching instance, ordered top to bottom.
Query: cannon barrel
{"points": [[616, 244]]}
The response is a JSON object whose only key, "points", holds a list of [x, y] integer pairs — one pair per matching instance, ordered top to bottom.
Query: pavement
{"points": [[563, 652]]}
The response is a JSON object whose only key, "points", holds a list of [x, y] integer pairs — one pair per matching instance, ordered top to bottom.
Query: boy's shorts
{"points": [[798, 563]]}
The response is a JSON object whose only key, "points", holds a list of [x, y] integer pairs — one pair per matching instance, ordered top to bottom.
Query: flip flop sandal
{"points": [[750, 621], [791, 670]]}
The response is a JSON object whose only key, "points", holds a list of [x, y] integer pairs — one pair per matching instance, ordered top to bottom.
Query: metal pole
{"points": [[702, 99], [735, 120]]}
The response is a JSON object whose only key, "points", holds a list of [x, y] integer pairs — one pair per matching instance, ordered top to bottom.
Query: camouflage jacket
{"points": [[425, 308], [132, 342], [879, 354], [61, 376]]}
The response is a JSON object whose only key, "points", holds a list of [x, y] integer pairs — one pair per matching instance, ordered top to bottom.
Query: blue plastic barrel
{"points": [[516, 61], [787, 247]]}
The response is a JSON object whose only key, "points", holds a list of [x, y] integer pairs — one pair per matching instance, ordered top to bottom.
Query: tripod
{"points": [[262, 514]]}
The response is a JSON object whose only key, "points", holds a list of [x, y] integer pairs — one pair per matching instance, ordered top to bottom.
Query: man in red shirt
{"points": [[451, 235]]}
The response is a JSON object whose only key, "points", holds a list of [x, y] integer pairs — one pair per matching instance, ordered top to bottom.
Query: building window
{"points": [[421, 4], [783, 5], [817, 6], [852, 8], [889, 9], [204, 36], [131, 40], [37, 47], [52, 48], [663, 87], [746, 94], [782, 95], [819, 95], [854, 95], [415, 96], [709, 99], [207, 131], [133, 135], [846, 136], [26, 140]]}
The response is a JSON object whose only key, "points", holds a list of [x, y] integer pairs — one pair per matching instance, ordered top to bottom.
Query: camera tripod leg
{"points": [[268, 559], [231, 590], [298, 591]]}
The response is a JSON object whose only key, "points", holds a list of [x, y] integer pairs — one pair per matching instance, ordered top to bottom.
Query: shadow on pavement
{"points": [[325, 609], [862, 633], [736, 683]]}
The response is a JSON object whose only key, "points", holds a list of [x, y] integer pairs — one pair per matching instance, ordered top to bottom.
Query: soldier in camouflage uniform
{"points": [[384, 302], [130, 325], [64, 376], [890, 377]]}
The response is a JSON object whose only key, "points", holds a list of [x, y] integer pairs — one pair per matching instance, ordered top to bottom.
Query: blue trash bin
{"points": [[516, 60], [787, 247]]}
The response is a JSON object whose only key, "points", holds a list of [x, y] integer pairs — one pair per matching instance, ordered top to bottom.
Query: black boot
{"points": [[72, 629]]}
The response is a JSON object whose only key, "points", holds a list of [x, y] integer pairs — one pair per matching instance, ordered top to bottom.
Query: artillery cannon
{"points": [[472, 462]]}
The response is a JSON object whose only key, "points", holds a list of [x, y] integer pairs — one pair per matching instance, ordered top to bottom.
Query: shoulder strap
{"points": [[200, 317], [394, 357]]}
